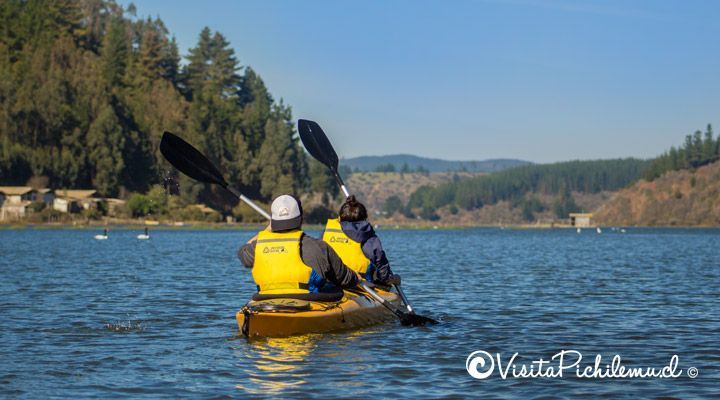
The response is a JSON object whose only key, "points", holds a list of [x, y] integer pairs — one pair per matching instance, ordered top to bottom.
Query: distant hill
{"points": [[372, 163], [373, 188], [676, 198]]}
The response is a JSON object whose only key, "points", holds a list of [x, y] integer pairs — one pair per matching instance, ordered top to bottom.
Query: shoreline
{"points": [[139, 225]]}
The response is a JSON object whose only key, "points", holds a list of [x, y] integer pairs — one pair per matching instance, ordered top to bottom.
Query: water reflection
{"points": [[275, 364]]}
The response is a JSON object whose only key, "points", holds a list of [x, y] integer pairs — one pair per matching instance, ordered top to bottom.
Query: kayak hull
{"points": [[288, 317]]}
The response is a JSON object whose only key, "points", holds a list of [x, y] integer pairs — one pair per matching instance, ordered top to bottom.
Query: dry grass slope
{"points": [[373, 188], [678, 198]]}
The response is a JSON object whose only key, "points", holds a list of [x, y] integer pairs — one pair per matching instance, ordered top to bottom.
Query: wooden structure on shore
{"points": [[581, 220]]}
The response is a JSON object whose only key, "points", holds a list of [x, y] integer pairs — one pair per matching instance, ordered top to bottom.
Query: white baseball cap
{"points": [[286, 213]]}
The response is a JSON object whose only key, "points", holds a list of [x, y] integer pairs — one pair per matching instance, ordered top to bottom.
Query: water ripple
{"points": [[129, 318]]}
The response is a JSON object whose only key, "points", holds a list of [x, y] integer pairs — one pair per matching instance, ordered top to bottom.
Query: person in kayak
{"points": [[355, 241], [287, 263]]}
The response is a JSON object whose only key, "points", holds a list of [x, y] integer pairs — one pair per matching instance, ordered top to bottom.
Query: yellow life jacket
{"points": [[350, 251], [278, 267]]}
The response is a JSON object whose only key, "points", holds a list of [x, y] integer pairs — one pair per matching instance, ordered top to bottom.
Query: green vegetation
{"points": [[87, 89], [699, 149], [406, 163], [386, 168], [518, 185], [392, 205], [565, 205]]}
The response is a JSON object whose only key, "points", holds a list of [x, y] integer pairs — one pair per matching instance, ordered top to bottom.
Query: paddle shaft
{"points": [[339, 181], [248, 201], [404, 299], [382, 301]]}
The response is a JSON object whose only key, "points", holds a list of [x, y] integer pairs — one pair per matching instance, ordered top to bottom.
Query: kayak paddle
{"points": [[319, 146], [188, 160], [405, 318]]}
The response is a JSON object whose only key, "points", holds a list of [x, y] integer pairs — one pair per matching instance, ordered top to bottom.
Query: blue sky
{"points": [[538, 80]]}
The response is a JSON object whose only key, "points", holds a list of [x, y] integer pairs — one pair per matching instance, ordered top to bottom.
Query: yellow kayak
{"points": [[287, 317]]}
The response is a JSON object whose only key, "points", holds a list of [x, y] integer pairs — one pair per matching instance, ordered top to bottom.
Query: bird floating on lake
{"points": [[104, 235], [144, 236]]}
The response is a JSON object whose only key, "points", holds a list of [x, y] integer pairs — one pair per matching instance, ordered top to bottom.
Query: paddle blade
{"points": [[317, 143], [188, 160], [416, 320]]}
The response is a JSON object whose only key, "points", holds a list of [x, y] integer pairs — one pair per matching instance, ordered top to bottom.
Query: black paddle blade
{"points": [[317, 143], [188, 160], [416, 320]]}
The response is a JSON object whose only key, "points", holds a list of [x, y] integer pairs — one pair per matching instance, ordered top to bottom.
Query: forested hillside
{"points": [[87, 89], [698, 149], [408, 163], [520, 185], [678, 198]]}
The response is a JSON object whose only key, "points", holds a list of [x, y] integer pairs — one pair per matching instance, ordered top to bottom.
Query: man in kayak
{"points": [[355, 241], [287, 263]]}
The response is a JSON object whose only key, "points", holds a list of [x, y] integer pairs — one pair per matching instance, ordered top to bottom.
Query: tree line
{"points": [[87, 89], [699, 149], [520, 184]]}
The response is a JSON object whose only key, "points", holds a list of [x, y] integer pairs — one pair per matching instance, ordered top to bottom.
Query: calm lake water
{"points": [[130, 318]]}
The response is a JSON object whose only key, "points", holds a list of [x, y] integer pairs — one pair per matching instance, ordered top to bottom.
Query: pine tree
{"points": [[114, 53], [149, 61], [170, 61], [195, 72], [257, 103], [105, 141], [708, 145], [280, 155], [322, 180]]}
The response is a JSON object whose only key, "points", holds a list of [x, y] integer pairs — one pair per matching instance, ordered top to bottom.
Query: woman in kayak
{"points": [[355, 241], [287, 263]]}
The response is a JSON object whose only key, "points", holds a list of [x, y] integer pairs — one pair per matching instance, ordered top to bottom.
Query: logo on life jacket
{"points": [[334, 239], [275, 249]]}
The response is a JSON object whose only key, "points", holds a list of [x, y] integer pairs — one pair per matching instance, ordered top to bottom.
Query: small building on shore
{"points": [[16, 194], [44, 195], [71, 201], [14, 202], [114, 206], [581, 220]]}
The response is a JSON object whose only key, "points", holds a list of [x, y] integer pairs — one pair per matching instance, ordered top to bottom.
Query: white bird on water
{"points": [[598, 230], [104, 235], [144, 236]]}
